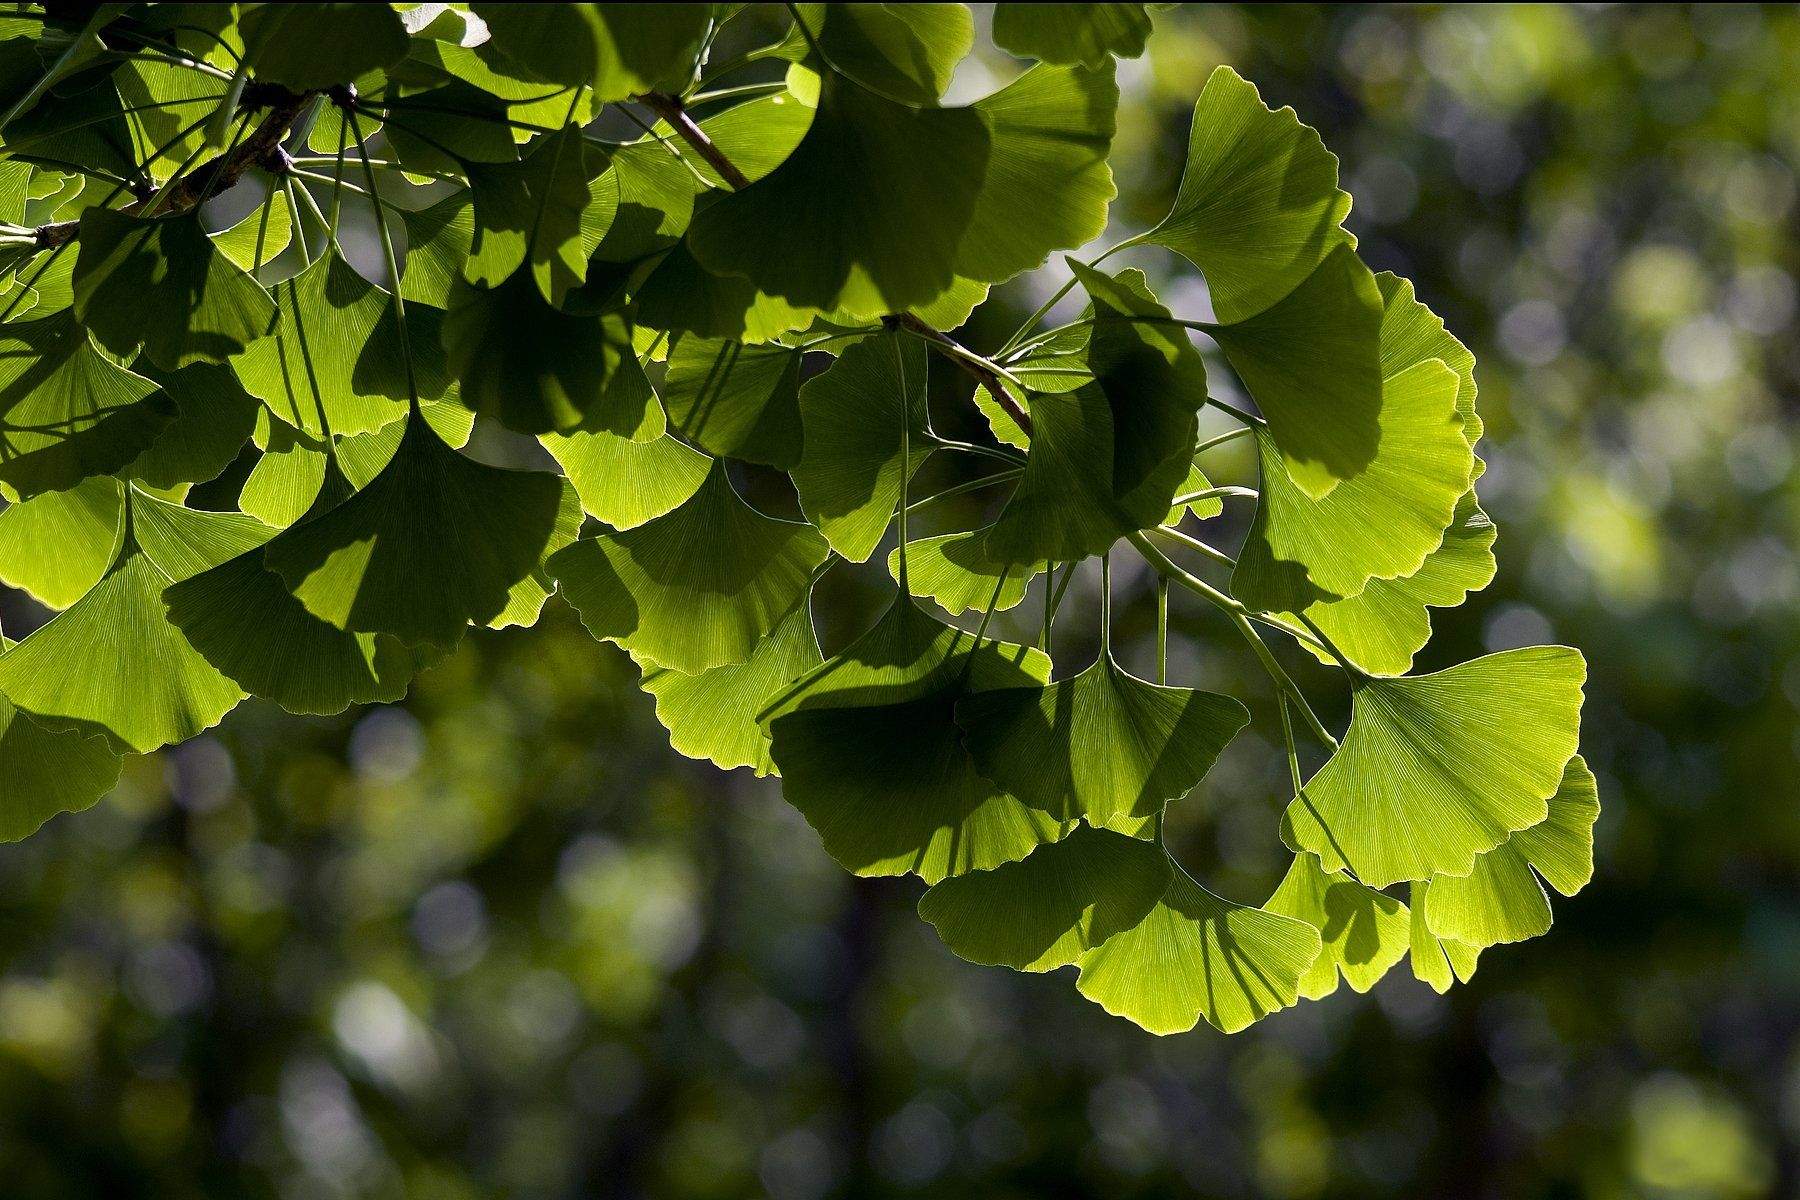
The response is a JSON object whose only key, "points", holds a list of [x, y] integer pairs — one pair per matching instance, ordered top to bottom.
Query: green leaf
{"points": [[1071, 33], [308, 46], [621, 49], [907, 52], [882, 206], [1258, 209], [531, 212], [438, 240], [241, 242], [159, 283], [681, 296], [1411, 333], [332, 362], [1312, 363], [537, 369], [736, 401], [68, 412], [214, 418], [867, 432], [1106, 458], [286, 479], [624, 482], [1381, 524], [183, 542], [432, 543], [56, 546], [954, 570], [693, 589], [525, 602], [1383, 626], [113, 665], [712, 715], [1103, 746], [870, 753], [1437, 769], [47, 772], [1501, 900], [1045, 910], [1365, 932], [1195, 955], [1437, 961]]}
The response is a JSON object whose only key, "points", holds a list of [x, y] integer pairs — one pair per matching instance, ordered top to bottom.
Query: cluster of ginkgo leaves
{"points": [[761, 275]]}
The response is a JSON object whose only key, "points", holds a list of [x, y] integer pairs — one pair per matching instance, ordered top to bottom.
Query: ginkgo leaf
{"points": [[1071, 33], [308, 46], [620, 49], [906, 52], [437, 131], [883, 205], [1258, 208], [530, 212], [260, 236], [438, 241], [159, 283], [681, 296], [1411, 333], [332, 361], [1312, 363], [537, 369], [736, 401], [68, 412], [214, 418], [866, 434], [1107, 457], [286, 479], [624, 482], [1381, 524], [182, 542], [432, 543], [56, 546], [954, 570], [693, 589], [525, 602], [1383, 626], [112, 664], [712, 715], [1103, 746], [870, 753], [1437, 769], [47, 772], [1501, 900], [1045, 910], [1365, 932], [1195, 955], [1437, 961]]}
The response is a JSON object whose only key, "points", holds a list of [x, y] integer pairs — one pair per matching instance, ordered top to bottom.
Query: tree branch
{"points": [[672, 110], [261, 148], [971, 362]]}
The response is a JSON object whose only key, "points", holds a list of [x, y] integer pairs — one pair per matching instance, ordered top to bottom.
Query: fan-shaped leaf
{"points": [[1071, 33], [307, 46], [620, 49], [906, 52], [1258, 208], [530, 212], [438, 240], [159, 283], [332, 362], [1312, 363], [736, 401], [67, 411], [214, 418], [866, 433], [286, 479], [626, 483], [1382, 524], [432, 543], [57, 546], [954, 570], [696, 588], [525, 602], [712, 715], [1103, 746], [1437, 769], [47, 772], [1501, 900], [1043, 911], [1365, 932], [1194, 955], [1437, 961]]}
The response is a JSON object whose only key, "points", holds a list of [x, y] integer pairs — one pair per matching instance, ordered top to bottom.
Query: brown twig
{"points": [[672, 110], [261, 148], [984, 376]]}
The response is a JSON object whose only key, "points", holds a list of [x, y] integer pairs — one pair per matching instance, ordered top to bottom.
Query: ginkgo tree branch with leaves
{"points": [[232, 451]]}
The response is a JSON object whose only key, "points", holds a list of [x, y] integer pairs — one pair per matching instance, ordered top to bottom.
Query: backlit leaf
{"points": [[1071, 33], [307, 46], [620, 49], [530, 212], [736, 401], [57, 545], [47, 772], [1365, 932]]}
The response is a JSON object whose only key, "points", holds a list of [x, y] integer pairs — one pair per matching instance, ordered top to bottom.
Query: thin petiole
{"points": [[971, 485]]}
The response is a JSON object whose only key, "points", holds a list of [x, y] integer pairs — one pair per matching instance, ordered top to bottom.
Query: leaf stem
{"points": [[672, 110], [393, 263], [987, 373], [1230, 435], [971, 485]]}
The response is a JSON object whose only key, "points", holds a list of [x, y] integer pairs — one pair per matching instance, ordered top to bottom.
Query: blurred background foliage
{"points": [[500, 940]]}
